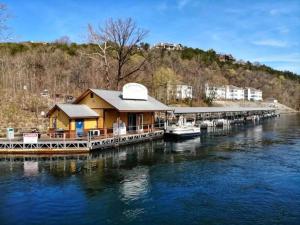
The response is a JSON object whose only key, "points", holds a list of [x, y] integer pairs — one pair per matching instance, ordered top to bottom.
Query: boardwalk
{"points": [[46, 145], [82, 145]]}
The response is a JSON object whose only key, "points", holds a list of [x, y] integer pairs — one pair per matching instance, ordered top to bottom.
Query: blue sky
{"points": [[267, 31]]}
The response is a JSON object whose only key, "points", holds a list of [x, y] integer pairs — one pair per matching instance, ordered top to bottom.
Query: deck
{"points": [[49, 144], [80, 145]]}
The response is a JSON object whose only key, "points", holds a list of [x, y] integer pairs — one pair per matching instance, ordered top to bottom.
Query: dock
{"points": [[224, 112], [233, 115], [85, 144], [76, 145]]}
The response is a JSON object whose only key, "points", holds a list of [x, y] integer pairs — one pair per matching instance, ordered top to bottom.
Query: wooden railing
{"points": [[104, 133]]}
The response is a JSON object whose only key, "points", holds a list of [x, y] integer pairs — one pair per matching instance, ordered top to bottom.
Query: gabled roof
{"points": [[115, 99], [75, 111]]}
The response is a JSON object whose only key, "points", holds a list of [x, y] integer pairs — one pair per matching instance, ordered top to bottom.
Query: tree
{"points": [[121, 38], [101, 40], [145, 46], [163, 77], [209, 99]]}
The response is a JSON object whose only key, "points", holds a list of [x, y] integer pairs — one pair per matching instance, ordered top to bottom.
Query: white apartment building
{"points": [[168, 46], [179, 92], [216, 92], [231, 92], [234, 93], [252, 94]]}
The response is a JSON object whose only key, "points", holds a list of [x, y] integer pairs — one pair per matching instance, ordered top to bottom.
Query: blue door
{"points": [[79, 128]]}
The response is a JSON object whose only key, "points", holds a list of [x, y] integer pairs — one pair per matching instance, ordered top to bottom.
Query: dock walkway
{"points": [[49, 146]]}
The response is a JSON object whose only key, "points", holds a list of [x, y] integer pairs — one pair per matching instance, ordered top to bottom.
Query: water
{"points": [[250, 176]]}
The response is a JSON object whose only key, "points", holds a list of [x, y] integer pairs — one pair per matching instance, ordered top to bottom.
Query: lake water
{"points": [[251, 175]]}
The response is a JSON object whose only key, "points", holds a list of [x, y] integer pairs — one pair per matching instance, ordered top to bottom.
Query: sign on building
{"points": [[135, 91], [10, 133], [30, 138]]}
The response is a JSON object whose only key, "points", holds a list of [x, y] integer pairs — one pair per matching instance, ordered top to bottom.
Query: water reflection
{"points": [[149, 153], [31, 168], [224, 172], [134, 184]]}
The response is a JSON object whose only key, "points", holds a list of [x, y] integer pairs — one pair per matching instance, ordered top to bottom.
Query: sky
{"points": [[266, 31]]}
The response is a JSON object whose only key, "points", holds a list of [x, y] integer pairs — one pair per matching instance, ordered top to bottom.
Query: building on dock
{"points": [[95, 108], [106, 112], [65, 118]]}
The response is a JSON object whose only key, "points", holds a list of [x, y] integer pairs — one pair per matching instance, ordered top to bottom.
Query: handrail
{"points": [[104, 133]]}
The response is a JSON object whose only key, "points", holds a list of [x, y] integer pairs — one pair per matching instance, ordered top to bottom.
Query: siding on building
{"points": [[231, 92], [100, 109], [62, 120]]}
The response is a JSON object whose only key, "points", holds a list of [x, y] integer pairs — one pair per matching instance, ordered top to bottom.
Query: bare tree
{"points": [[121, 38], [102, 43]]}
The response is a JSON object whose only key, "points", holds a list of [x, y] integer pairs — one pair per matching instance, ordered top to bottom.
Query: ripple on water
{"points": [[250, 176]]}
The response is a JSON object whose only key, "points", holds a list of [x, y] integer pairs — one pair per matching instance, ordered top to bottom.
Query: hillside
{"points": [[67, 69]]}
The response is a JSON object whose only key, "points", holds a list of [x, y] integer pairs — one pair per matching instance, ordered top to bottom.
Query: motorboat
{"points": [[183, 129]]}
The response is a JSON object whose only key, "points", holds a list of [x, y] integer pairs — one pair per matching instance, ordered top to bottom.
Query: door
{"points": [[131, 121], [79, 128]]}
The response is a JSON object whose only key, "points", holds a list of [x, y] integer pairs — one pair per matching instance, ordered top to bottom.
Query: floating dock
{"points": [[223, 112], [232, 115], [46, 145], [82, 145]]}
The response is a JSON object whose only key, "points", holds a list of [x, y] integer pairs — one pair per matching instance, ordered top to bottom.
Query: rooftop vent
{"points": [[135, 91]]}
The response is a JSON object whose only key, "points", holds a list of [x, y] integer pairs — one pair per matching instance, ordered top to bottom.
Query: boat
{"points": [[182, 129]]}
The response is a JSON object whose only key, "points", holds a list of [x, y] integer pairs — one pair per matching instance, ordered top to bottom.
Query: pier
{"points": [[230, 115], [49, 144]]}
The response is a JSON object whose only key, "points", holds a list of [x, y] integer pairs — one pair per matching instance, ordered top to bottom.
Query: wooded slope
{"points": [[69, 69]]}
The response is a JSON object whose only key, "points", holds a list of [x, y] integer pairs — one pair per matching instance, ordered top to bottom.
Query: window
{"points": [[92, 95]]}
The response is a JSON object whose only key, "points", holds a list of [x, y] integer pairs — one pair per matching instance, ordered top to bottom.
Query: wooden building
{"points": [[131, 110]]}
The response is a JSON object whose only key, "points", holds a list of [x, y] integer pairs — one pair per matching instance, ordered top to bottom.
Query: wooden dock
{"points": [[63, 145], [56, 146]]}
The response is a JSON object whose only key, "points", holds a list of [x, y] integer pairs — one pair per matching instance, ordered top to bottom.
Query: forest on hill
{"points": [[67, 69]]}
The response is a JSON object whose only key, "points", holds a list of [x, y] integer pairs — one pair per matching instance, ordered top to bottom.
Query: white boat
{"points": [[182, 131]]}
